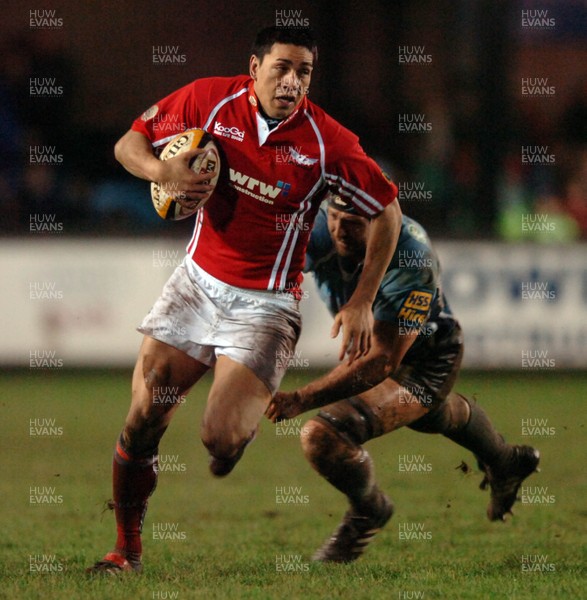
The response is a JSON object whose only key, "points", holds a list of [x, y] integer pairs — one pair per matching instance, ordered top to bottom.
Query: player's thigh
{"points": [[162, 376], [408, 395], [236, 403]]}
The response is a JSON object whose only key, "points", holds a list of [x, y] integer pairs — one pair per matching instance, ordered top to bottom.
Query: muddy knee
{"points": [[352, 419], [337, 432], [318, 438], [332, 445]]}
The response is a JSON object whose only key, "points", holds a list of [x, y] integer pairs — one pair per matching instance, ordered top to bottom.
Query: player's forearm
{"points": [[135, 153], [381, 244], [345, 381]]}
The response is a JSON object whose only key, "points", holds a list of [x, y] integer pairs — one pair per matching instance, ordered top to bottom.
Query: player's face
{"points": [[282, 78], [349, 233]]}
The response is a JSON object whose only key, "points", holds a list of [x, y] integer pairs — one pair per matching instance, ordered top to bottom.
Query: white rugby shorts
{"points": [[204, 317]]}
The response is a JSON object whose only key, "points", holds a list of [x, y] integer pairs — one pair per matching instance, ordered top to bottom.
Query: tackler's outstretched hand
{"points": [[356, 316], [356, 321], [284, 405]]}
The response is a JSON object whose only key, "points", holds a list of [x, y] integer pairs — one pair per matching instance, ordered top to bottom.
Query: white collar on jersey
{"points": [[263, 130]]}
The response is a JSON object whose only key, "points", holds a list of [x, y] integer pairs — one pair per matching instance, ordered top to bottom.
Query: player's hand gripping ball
{"points": [[165, 199]]}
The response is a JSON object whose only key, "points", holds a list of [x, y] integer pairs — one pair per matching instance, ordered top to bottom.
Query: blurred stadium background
{"points": [[478, 109]]}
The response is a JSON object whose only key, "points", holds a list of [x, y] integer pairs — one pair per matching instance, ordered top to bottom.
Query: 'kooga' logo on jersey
{"points": [[234, 133], [253, 187]]}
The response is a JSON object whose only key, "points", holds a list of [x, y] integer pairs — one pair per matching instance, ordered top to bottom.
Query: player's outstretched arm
{"points": [[135, 153], [356, 316], [345, 380]]}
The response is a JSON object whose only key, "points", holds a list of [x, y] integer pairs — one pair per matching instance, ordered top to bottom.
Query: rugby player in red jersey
{"points": [[232, 305], [406, 379]]}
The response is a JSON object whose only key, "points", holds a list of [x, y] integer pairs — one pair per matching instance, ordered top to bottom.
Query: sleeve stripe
{"points": [[164, 140], [356, 192], [359, 197], [355, 200]]}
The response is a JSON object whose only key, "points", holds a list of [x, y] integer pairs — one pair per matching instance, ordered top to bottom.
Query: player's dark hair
{"points": [[283, 35]]}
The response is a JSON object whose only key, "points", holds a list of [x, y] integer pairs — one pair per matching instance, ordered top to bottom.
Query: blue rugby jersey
{"points": [[410, 294]]}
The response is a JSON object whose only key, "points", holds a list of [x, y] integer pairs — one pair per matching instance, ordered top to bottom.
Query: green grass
{"points": [[234, 529]]}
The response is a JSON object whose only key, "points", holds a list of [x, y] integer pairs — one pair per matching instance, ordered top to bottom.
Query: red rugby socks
{"points": [[133, 480]]}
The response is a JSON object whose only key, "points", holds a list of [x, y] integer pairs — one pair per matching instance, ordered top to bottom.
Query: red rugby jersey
{"points": [[254, 230]]}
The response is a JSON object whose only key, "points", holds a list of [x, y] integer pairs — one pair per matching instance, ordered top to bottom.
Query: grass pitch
{"points": [[252, 534]]}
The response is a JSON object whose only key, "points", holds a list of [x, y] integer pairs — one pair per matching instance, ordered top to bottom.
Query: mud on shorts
{"points": [[205, 318], [429, 372]]}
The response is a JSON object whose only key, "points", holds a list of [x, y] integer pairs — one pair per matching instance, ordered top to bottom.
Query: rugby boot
{"points": [[505, 480], [355, 532], [115, 563]]}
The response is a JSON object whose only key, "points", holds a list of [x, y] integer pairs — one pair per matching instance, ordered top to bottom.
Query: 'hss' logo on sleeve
{"points": [[415, 307]]}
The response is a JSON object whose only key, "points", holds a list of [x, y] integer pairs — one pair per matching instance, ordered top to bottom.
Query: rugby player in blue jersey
{"points": [[404, 380]]}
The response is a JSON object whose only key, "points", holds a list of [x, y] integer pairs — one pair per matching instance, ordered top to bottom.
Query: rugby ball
{"points": [[165, 197]]}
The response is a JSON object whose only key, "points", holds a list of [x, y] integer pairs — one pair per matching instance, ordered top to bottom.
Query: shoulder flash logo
{"points": [[150, 113], [417, 233], [418, 300], [414, 310]]}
